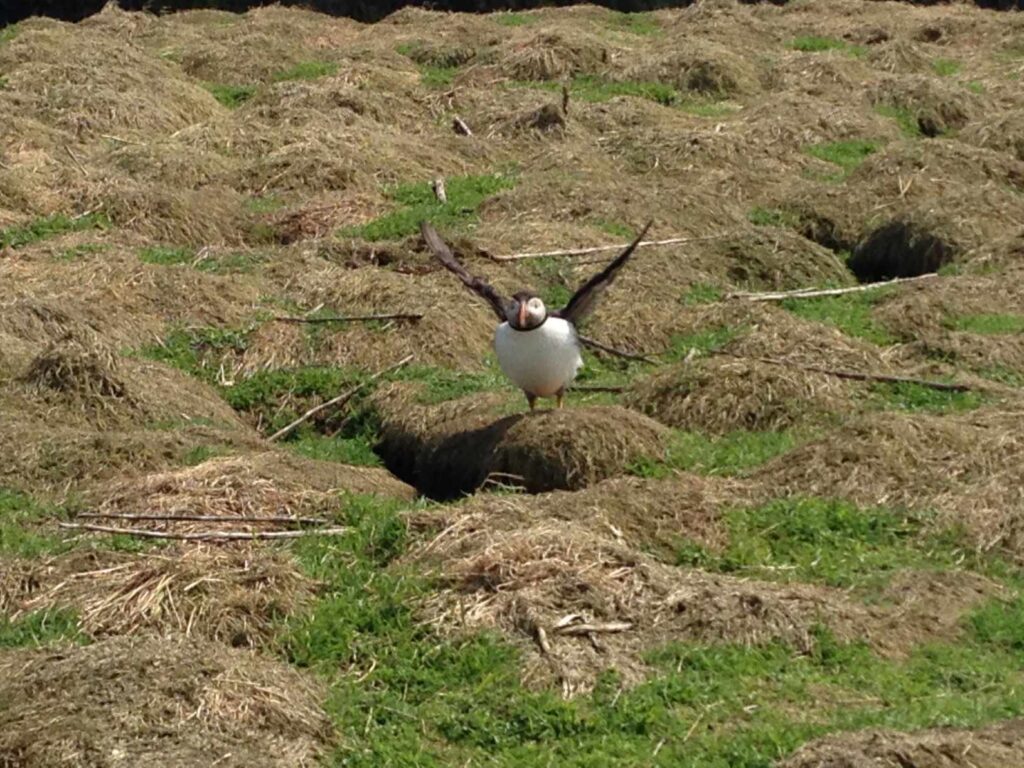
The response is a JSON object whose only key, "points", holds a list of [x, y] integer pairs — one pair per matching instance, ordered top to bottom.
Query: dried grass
{"points": [[168, 702]]}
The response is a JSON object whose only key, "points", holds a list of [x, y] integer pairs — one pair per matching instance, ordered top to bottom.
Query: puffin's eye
{"points": [[535, 303]]}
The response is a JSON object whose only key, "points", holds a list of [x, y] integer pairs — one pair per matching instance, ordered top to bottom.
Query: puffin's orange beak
{"points": [[522, 315]]}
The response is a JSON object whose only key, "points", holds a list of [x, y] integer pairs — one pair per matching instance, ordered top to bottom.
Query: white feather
{"points": [[541, 361]]}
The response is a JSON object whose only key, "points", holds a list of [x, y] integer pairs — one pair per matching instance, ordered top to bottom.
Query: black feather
{"points": [[502, 307]]}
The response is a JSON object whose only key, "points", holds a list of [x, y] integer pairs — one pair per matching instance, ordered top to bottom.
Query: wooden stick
{"points": [[565, 99], [460, 126], [76, 160], [439, 191], [600, 248], [808, 293], [350, 318], [612, 350], [943, 386], [596, 388], [339, 400], [232, 519], [206, 535], [586, 629]]}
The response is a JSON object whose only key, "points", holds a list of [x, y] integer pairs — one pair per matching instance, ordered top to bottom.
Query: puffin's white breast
{"points": [[541, 361]]}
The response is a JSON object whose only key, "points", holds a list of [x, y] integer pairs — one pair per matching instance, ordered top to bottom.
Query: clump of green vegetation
{"points": [[510, 19], [638, 23], [8, 33], [818, 44], [946, 67], [307, 70], [434, 76], [976, 87], [597, 89], [231, 96], [710, 109], [905, 119], [846, 154], [417, 202], [264, 203], [771, 217], [50, 226], [616, 228], [81, 251], [166, 256], [234, 262], [551, 281], [702, 293], [850, 313], [987, 324], [705, 342], [198, 351], [1003, 375], [908, 396], [356, 450], [202, 453], [729, 454], [20, 515], [828, 541], [41, 628]]}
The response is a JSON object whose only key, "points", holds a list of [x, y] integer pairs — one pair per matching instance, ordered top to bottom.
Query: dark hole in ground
{"points": [[899, 249]]}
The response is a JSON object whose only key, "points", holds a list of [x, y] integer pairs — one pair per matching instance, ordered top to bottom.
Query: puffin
{"points": [[538, 349]]}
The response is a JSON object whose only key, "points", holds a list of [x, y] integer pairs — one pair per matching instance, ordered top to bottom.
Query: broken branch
{"points": [[460, 126], [439, 191], [601, 248], [808, 293], [351, 318], [612, 350], [943, 386], [341, 399], [231, 519], [205, 535], [586, 629]]}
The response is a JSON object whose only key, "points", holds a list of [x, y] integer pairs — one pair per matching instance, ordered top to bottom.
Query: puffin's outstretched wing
{"points": [[583, 300], [499, 303]]}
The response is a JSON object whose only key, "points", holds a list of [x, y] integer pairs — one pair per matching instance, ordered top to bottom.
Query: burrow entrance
{"points": [[899, 249]]}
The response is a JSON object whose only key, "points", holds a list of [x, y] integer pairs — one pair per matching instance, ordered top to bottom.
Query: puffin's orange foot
{"points": [[531, 399]]}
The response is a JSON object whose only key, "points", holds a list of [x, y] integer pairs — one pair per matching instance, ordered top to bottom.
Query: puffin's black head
{"points": [[528, 311]]}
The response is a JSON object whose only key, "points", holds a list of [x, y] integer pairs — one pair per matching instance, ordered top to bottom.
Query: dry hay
{"points": [[553, 55], [900, 57], [702, 68], [90, 83], [937, 107], [1004, 133], [923, 317], [454, 332], [87, 373], [721, 395], [453, 448], [968, 467], [256, 485], [536, 568], [237, 596], [157, 702], [995, 746]]}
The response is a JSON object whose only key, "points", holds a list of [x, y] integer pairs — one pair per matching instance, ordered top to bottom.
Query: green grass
{"points": [[510, 19], [643, 24], [8, 33], [818, 44], [946, 67], [307, 70], [435, 76], [976, 87], [595, 89], [231, 96], [710, 109], [905, 119], [846, 154], [416, 202], [264, 203], [770, 217], [50, 226], [616, 228], [81, 251], [166, 256], [551, 279], [702, 293], [850, 313], [987, 324], [706, 342], [1003, 375], [906, 396], [355, 450], [730, 454], [20, 515], [827, 541], [40, 628], [402, 695]]}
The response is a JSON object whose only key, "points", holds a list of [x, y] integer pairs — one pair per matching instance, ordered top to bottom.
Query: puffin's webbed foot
{"points": [[560, 396], [531, 399]]}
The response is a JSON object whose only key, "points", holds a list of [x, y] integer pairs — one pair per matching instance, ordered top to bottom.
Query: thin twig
{"points": [[461, 126], [76, 160], [439, 191], [600, 248], [809, 293], [411, 316], [613, 351], [943, 386], [596, 388], [339, 400], [231, 519], [206, 535], [586, 629]]}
